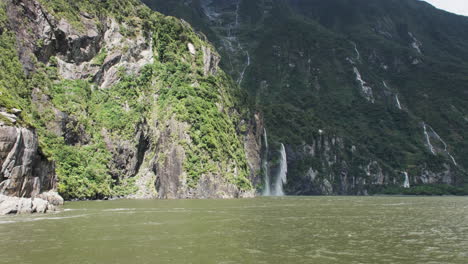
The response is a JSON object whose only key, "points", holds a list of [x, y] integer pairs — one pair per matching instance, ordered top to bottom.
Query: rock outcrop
{"points": [[121, 62], [25, 173], [17, 205]]}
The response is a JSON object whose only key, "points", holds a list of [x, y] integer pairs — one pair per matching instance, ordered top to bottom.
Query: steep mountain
{"points": [[367, 96], [109, 99]]}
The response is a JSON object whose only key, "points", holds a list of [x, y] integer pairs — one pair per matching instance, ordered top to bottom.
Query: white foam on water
{"points": [[119, 209]]}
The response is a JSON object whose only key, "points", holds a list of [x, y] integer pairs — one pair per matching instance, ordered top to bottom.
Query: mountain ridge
{"points": [[364, 73], [120, 101]]}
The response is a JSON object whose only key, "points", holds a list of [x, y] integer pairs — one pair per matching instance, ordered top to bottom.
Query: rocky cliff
{"points": [[367, 96], [114, 100], [27, 178]]}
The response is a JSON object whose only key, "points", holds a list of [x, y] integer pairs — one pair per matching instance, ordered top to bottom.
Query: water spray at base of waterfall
{"points": [[265, 166], [281, 178], [406, 183], [274, 188]]}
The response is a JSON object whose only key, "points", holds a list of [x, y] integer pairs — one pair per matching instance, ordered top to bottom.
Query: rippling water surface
{"points": [[262, 230]]}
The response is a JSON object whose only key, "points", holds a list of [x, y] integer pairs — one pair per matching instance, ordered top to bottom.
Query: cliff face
{"points": [[367, 96], [124, 101], [25, 173]]}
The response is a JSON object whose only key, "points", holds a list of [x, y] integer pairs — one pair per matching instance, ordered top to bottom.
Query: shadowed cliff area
{"points": [[362, 93]]}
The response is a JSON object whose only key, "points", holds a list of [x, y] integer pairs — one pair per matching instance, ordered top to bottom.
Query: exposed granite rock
{"points": [[39, 33], [131, 54], [210, 61], [253, 146], [127, 155], [154, 157], [169, 164], [25, 172], [333, 173], [145, 182], [212, 186], [51, 197], [17, 205]]}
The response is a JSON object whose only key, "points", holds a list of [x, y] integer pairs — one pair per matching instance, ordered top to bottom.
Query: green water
{"points": [[263, 230]]}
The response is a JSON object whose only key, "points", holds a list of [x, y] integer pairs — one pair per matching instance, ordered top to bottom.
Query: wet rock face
{"points": [[253, 146], [127, 155], [333, 170], [24, 171]]}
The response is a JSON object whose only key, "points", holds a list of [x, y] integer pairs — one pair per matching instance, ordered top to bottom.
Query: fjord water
{"points": [[261, 230]]}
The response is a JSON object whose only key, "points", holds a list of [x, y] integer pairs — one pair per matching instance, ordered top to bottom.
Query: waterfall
{"points": [[237, 13], [358, 56], [247, 64], [398, 102], [265, 138], [439, 138], [428, 140], [445, 146], [265, 166], [281, 178], [406, 184], [274, 188]]}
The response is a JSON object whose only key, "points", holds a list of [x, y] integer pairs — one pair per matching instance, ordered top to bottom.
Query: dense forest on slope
{"points": [[362, 93], [106, 99], [124, 102]]}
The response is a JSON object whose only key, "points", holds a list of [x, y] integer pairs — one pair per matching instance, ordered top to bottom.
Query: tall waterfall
{"points": [[398, 102], [428, 140], [265, 166], [281, 178], [406, 184], [274, 187]]}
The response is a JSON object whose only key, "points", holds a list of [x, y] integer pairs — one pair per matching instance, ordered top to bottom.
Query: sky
{"points": [[455, 6]]}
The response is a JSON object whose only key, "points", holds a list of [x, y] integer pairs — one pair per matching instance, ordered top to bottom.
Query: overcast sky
{"points": [[455, 6]]}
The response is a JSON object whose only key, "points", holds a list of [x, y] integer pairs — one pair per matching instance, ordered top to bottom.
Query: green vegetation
{"points": [[125, 11], [99, 59], [302, 80], [173, 87], [13, 88], [194, 99], [82, 171]]}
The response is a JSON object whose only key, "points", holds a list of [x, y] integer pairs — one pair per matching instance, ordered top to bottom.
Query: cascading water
{"points": [[229, 14], [358, 55], [398, 102], [428, 140], [445, 145], [431, 147], [265, 166], [281, 178], [406, 184], [274, 188]]}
